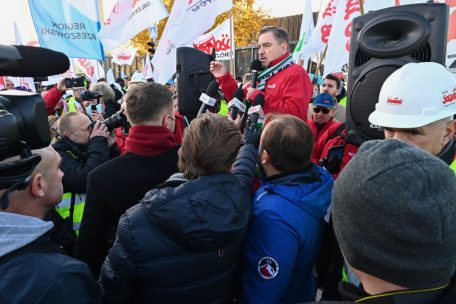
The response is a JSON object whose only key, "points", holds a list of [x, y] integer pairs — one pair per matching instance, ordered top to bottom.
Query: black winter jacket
{"points": [[78, 161], [112, 188], [182, 243]]}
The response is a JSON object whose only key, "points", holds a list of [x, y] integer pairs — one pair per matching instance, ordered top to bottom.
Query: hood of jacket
{"points": [[309, 190], [205, 213], [19, 230]]}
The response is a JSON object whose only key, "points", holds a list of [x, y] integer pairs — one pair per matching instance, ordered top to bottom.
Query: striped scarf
{"points": [[269, 72]]}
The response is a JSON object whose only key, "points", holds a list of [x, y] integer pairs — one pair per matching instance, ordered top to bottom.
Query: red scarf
{"points": [[149, 140]]}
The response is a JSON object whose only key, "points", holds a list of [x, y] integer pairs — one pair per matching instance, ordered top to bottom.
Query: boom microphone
{"points": [[29, 61], [255, 68], [210, 98], [236, 103]]}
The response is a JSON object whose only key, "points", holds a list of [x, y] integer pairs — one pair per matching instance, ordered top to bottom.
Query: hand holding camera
{"points": [[99, 129]]}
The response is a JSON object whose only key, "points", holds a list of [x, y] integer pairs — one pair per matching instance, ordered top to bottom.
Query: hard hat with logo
{"points": [[415, 95]]}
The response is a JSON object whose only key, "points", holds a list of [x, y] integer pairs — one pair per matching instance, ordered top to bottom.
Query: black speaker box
{"points": [[381, 42], [193, 77]]}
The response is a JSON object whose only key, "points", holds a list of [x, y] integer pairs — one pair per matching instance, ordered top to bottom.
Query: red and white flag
{"points": [[128, 18], [188, 19], [320, 34], [218, 39], [339, 40], [124, 57], [91, 68]]}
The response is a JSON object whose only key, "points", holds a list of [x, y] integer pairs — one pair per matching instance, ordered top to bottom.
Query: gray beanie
{"points": [[394, 214]]}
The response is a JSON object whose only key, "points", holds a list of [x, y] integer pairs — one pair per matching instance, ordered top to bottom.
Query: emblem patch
{"points": [[268, 268]]}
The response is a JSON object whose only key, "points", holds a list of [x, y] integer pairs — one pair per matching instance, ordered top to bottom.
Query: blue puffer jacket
{"points": [[284, 237]]}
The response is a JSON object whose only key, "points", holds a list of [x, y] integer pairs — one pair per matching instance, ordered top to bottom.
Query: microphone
{"points": [[29, 61], [255, 68], [209, 98], [236, 103], [256, 113]]}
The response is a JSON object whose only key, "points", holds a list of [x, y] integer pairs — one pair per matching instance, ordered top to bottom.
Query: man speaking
{"points": [[286, 86]]}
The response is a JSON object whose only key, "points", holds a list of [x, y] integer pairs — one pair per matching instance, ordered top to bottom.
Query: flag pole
{"points": [[361, 6], [232, 50], [321, 60]]}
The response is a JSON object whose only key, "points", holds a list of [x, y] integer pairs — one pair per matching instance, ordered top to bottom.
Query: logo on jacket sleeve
{"points": [[268, 268]]}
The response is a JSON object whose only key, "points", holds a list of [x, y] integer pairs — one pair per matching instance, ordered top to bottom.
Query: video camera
{"points": [[90, 95], [23, 116], [115, 121]]}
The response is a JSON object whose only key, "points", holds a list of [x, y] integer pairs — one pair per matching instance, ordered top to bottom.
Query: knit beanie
{"points": [[394, 214]]}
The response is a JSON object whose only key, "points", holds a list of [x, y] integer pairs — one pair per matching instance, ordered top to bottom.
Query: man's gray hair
{"points": [[279, 33]]}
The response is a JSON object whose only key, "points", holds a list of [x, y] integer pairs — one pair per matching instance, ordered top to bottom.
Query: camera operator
{"points": [[55, 105], [82, 148], [150, 158], [50, 275]]}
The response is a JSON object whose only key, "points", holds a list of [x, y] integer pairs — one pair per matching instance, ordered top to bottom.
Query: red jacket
{"points": [[287, 92], [51, 99], [319, 134], [331, 139]]}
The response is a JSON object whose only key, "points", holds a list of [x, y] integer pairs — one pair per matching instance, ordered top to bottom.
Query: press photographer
{"points": [[83, 147], [30, 185]]}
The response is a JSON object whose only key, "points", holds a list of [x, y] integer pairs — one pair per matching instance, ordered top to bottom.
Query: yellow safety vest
{"points": [[343, 101], [453, 166], [63, 208]]}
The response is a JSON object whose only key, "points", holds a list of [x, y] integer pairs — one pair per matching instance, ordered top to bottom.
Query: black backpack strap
{"points": [[338, 131], [73, 202], [36, 246]]}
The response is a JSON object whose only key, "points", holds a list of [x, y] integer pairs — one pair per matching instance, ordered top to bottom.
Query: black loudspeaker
{"points": [[381, 42], [193, 77]]}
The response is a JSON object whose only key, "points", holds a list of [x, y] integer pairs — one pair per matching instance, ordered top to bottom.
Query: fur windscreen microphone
{"points": [[29, 61], [255, 68], [209, 98], [236, 104]]}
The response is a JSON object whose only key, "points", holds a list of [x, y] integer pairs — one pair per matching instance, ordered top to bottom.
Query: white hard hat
{"points": [[415, 95]]}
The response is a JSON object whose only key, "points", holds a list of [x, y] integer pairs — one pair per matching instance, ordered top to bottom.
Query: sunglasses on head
{"points": [[323, 110]]}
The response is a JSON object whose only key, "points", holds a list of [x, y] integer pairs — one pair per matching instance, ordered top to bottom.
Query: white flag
{"points": [[128, 18], [188, 19], [307, 27], [17, 34], [320, 34], [218, 39], [339, 40], [125, 56], [91, 68], [147, 72], [110, 79]]}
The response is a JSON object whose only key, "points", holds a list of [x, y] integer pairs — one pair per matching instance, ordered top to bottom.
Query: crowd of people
{"points": [[134, 203]]}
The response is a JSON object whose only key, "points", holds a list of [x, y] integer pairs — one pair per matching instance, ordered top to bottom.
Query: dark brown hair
{"points": [[289, 141], [210, 145]]}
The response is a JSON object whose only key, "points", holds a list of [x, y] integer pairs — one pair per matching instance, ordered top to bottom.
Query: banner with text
{"points": [[128, 18], [188, 20], [68, 26], [218, 39], [124, 57]]}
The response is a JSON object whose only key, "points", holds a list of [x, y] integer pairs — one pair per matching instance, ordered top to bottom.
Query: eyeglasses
{"points": [[327, 85], [323, 110]]}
